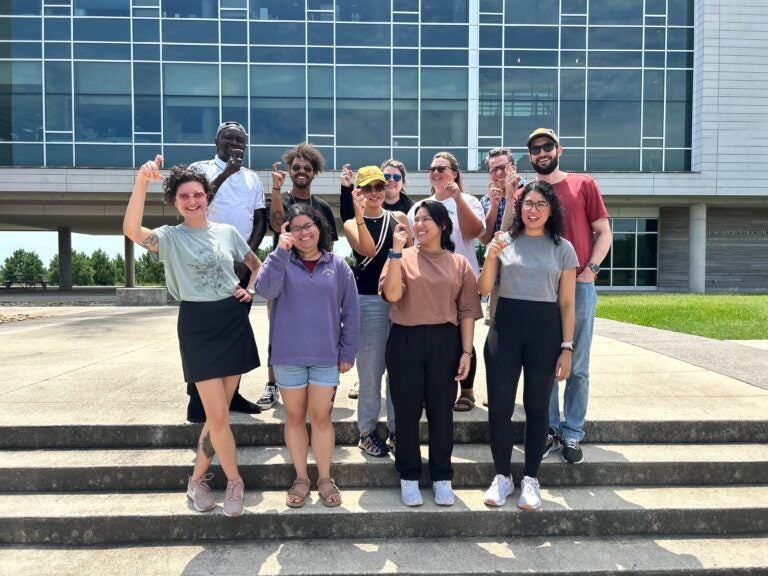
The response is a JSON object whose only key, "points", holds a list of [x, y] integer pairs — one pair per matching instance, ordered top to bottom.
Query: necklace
{"points": [[296, 201], [379, 215]]}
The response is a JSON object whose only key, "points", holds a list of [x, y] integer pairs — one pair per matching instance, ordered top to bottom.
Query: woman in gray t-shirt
{"points": [[531, 331]]}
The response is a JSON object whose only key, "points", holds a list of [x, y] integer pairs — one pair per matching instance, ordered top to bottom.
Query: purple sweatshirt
{"points": [[315, 318]]}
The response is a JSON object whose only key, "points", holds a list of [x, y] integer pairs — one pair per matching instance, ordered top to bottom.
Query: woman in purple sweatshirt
{"points": [[313, 336]]}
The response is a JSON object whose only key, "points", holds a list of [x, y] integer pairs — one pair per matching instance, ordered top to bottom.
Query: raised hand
{"points": [[235, 161], [151, 169], [278, 176], [347, 176], [511, 180], [453, 190], [494, 194], [360, 202], [399, 238], [286, 239], [496, 245]]}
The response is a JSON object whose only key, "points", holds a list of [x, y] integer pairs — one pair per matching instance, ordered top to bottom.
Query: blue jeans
{"points": [[374, 324], [577, 385]]}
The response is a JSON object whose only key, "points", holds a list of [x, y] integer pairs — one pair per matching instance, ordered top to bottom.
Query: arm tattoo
{"points": [[277, 219], [151, 240], [251, 258], [207, 446]]}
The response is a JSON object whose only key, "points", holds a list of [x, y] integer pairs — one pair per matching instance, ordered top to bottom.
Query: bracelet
{"points": [[273, 188], [360, 223], [395, 255], [567, 345], [467, 353]]}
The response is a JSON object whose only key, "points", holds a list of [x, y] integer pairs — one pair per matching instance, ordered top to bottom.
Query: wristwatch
{"points": [[594, 267], [251, 291], [567, 345]]}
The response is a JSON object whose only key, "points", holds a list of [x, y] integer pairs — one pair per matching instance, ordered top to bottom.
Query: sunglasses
{"points": [[548, 147], [303, 167], [439, 169], [396, 177], [368, 189], [184, 197]]}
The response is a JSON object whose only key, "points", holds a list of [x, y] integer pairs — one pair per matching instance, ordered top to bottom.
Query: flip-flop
{"points": [[464, 403], [327, 488], [297, 493]]}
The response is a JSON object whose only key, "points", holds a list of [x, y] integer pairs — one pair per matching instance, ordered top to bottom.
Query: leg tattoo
{"points": [[207, 446]]}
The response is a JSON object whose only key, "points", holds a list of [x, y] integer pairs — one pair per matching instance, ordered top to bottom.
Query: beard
{"points": [[548, 169]]}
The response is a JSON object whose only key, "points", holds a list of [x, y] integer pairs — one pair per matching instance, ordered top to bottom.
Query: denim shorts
{"points": [[290, 376]]}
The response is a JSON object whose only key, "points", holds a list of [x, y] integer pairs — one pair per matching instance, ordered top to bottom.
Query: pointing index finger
{"points": [[284, 227]]}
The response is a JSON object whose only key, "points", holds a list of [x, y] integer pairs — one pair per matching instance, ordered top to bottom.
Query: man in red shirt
{"points": [[588, 229]]}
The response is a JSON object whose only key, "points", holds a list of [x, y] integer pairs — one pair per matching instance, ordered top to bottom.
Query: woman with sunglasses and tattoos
{"points": [[395, 198], [468, 218], [369, 234], [314, 331], [215, 337]]}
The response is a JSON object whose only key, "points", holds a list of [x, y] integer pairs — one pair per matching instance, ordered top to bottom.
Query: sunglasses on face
{"points": [[548, 147], [302, 167], [438, 169], [396, 177], [377, 188], [184, 197], [299, 229]]}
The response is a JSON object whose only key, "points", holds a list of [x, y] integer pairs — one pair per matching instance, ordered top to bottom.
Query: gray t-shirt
{"points": [[199, 262], [530, 267]]}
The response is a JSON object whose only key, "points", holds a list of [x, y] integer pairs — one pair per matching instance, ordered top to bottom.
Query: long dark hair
{"points": [[180, 174], [300, 209], [439, 214], [554, 224]]}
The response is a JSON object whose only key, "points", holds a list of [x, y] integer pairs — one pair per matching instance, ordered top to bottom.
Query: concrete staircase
{"points": [[651, 498]]}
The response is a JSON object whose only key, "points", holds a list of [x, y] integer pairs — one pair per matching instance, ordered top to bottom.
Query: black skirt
{"points": [[215, 339]]}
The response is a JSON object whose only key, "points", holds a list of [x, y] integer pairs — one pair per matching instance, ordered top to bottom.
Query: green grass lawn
{"points": [[720, 316]]}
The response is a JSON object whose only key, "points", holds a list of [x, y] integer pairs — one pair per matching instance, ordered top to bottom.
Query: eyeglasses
{"points": [[548, 147], [303, 167], [500, 167], [439, 169], [396, 177], [368, 189], [184, 197], [540, 206], [424, 220], [299, 229]]}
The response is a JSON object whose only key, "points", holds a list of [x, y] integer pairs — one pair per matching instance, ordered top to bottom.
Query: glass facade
{"points": [[110, 82], [632, 262]]}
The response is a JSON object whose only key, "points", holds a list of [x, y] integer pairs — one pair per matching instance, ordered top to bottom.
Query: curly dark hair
{"points": [[309, 153], [180, 174], [439, 214], [554, 224], [325, 240]]}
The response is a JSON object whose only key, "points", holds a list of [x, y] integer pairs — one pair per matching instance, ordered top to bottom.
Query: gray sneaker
{"points": [[268, 397], [200, 493], [233, 499]]}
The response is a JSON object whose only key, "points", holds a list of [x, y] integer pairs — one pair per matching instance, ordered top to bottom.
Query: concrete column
{"points": [[697, 248], [65, 258], [130, 263]]}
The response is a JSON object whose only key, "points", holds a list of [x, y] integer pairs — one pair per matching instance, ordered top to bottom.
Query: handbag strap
{"points": [[380, 242]]}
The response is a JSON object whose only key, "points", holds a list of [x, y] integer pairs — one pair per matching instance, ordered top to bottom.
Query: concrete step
{"points": [[268, 431], [270, 467], [158, 517], [551, 556]]}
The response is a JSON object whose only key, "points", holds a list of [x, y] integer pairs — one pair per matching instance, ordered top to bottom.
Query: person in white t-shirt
{"points": [[468, 218]]}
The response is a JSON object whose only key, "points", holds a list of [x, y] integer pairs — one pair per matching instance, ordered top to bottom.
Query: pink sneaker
{"points": [[200, 493], [233, 499]]}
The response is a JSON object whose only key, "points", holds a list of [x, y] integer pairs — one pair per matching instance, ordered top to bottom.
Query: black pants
{"points": [[523, 335], [422, 362], [469, 382]]}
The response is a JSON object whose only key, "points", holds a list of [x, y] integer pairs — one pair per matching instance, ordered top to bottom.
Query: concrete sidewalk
{"points": [[111, 365]]}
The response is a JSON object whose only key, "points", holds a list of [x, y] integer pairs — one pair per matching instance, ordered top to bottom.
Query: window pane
{"points": [[20, 7], [102, 8], [190, 8], [277, 9], [358, 11], [442, 11], [532, 11], [616, 12], [680, 12], [21, 28], [58, 29], [103, 29], [190, 31], [283, 34], [320, 34], [362, 35], [448, 36], [520, 37], [573, 37], [615, 38], [680, 39], [21, 98], [320, 99], [362, 101], [530, 101], [103, 102], [572, 103], [147, 104], [278, 107], [444, 107], [489, 107], [613, 108], [191, 109], [679, 109], [58, 155], [103, 156], [357, 157], [613, 160], [653, 160], [677, 160], [623, 224], [646, 250], [646, 277], [623, 278]]}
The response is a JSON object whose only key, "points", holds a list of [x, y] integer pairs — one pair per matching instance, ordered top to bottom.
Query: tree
{"points": [[22, 262], [118, 264], [82, 269], [103, 269], [53, 270], [149, 272]]}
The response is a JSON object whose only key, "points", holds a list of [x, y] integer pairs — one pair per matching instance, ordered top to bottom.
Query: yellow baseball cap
{"points": [[368, 174]]}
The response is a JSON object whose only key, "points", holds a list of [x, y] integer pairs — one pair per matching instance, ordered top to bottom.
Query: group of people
{"points": [[415, 287]]}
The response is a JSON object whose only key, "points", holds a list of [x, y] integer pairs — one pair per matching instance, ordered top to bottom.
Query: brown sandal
{"points": [[464, 403], [327, 488], [296, 492]]}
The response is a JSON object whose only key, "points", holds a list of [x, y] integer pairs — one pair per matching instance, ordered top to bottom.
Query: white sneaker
{"points": [[501, 487], [443, 492], [410, 493], [530, 499]]}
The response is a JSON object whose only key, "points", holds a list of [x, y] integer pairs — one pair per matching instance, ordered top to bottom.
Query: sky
{"points": [[45, 244]]}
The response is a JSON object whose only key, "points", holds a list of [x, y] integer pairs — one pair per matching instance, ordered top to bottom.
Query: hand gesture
{"points": [[235, 161], [151, 170], [278, 176], [347, 176], [511, 180], [453, 190], [494, 194], [359, 200], [399, 238], [286, 239], [496, 246]]}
